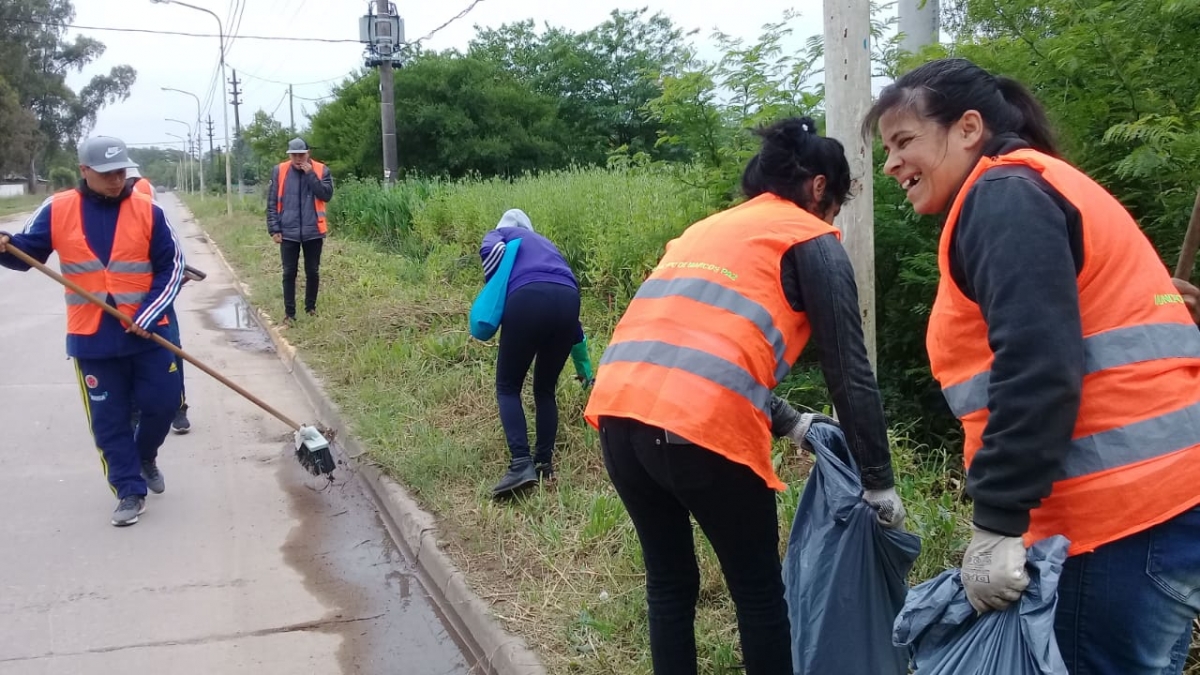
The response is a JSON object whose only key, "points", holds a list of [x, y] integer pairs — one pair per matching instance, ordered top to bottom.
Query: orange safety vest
{"points": [[319, 169], [142, 185], [129, 274], [710, 333], [1134, 460]]}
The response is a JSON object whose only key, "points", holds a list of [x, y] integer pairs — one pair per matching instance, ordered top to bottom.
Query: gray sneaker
{"points": [[153, 477], [128, 510]]}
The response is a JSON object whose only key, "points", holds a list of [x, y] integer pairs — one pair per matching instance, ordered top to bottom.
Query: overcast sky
{"points": [[189, 63]]}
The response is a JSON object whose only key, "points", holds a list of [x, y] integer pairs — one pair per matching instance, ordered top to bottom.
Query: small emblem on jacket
{"points": [[91, 381]]}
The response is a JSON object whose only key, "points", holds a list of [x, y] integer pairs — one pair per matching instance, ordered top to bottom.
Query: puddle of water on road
{"points": [[235, 317], [348, 560]]}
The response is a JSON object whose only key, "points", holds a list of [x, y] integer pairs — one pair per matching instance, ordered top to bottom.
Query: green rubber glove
{"points": [[583, 363]]}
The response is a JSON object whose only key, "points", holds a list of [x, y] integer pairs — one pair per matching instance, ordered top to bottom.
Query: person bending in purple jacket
{"points": [[541, 321]]}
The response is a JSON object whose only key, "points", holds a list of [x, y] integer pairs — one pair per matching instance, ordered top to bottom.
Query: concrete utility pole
{"points": [[919, 20], [847, 99], [387, 106], [291, 111], [237, 133], [210, 138]]}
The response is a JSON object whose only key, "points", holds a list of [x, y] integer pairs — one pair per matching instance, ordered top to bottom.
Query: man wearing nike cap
{"points": [[116, 244]]}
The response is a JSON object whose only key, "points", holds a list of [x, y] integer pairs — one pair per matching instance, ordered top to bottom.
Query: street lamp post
{"points": [[225, 101], [201, 153], [182, 160], [191, 179]]}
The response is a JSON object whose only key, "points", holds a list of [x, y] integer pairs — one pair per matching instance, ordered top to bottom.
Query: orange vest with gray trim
{"points": [[319, 169], [127, 277], [710, 333], [1134, 459]]}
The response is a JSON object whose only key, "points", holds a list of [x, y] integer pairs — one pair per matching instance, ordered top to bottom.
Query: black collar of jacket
{"points": [[1002, 144], [91, 194]]}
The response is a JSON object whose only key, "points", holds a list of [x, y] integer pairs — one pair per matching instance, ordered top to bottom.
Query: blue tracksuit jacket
{"points": [[99, 225]]}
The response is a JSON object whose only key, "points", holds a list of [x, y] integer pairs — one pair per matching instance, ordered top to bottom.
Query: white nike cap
{"points": [[104, 154]]}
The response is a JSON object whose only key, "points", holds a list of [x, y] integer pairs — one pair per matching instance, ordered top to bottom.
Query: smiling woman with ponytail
{"points": [[1061, 344], [682, 397]]}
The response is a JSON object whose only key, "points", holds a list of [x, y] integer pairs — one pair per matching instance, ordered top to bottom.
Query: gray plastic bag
{"points": [[845, 575], [947, 638]]}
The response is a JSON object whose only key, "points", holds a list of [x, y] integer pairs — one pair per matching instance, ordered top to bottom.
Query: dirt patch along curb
{"points": [[415, 530]]}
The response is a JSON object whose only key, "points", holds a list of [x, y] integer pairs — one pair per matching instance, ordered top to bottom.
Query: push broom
{"points": [[312, 449]]}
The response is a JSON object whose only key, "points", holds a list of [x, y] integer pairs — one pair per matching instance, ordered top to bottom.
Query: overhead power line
{"points": [[452, 19], [115, 29], [252, 76]]}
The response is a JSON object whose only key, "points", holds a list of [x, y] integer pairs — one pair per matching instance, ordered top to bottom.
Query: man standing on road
{"points": [[296, 199], [118, 245]]}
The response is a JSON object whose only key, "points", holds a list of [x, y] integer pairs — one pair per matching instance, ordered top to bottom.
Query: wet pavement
{"points": [[246, 564]]}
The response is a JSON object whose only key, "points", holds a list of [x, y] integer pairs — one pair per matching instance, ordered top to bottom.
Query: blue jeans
{"points": [[1124, 608]]}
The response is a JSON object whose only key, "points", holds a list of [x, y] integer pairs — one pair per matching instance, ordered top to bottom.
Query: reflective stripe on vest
{"points": [[318, 205], [125, 281], [711, 293], [710, 333], [699, 363], [1134, 456]]}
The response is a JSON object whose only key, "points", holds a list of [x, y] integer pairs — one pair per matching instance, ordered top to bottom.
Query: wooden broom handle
{"points": [[25, 258]]}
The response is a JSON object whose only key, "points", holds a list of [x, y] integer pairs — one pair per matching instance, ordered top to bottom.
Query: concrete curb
{"points": [[413, 529]]}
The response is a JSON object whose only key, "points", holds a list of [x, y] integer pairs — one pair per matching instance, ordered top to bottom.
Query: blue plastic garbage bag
{"points": [[488, 309], [845, 575], [947, 638]]}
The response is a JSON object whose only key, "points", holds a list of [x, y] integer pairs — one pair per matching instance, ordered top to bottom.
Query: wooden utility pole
{"points": [[918, 24], [847, 99], [387, 105]]}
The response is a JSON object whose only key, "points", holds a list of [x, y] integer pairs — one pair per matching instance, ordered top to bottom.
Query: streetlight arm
{"points": [[220, 27]]}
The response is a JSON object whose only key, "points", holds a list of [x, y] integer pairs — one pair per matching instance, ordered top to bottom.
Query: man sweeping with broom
{"points": [[115, 244]]}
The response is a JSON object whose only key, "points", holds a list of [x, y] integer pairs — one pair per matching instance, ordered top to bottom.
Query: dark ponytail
{"points": [[944, 89], [1035, 127], [792, 154]]}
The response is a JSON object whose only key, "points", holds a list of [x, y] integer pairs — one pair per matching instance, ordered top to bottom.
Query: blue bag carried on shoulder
{"points": [[488, 308]]}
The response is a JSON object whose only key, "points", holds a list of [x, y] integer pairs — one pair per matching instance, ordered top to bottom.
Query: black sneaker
{"points": [[180, 424], [545, 471], [521, 474], [153, 477], [128, 510]]}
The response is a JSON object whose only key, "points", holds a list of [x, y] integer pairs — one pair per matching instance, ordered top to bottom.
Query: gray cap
{"points": [[297, 146], [104, 154]]}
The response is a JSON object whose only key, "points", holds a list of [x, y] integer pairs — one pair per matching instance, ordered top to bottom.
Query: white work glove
{"points": [[798, 432], [889, 511], [993, 570]]}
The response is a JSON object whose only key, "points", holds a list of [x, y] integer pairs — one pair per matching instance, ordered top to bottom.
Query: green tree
{"points": [[35, 58], [601, 79], [1121, 83], [706, 109], [455, 116], [18, 138], [266, 139]]}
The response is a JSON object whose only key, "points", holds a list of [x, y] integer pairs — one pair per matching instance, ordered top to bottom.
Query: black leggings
{"points": [[541, 321], [662, 484]]}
